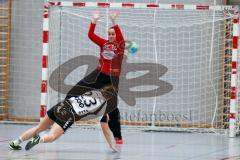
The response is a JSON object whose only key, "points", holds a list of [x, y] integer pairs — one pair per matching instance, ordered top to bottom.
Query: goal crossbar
{"points": [[139, 5]]}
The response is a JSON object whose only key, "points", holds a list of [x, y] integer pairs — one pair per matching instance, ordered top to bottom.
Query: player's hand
{"points": [[113, 16], [96, 17], [113, 148]]}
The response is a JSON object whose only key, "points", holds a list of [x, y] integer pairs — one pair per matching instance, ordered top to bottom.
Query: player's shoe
{"points": [[35, 140], [118, 141], [14, 146]]}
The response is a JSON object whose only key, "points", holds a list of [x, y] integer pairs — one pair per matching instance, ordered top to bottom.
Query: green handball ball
{"points": [[133, 48]]}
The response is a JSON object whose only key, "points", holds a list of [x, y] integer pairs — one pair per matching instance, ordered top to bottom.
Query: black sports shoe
{"points": [[35, 140], [14, 146]]}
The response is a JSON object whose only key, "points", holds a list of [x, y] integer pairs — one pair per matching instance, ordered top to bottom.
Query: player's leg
{"points": [[63, 119], [43, 125], [115, 125], [55, 132]]}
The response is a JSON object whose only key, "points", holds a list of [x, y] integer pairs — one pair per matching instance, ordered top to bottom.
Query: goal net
{"points": [[174, 81]]}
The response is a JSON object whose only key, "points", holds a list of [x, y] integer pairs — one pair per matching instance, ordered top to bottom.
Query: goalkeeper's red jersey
{"points": [[111, 54]]}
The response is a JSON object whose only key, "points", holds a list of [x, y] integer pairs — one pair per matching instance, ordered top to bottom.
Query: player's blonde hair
{"points": [[109, 91]]}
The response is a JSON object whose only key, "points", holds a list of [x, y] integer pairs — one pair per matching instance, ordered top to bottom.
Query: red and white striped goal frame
{"points": [[137, 5], [235, 46], [233, 125]]}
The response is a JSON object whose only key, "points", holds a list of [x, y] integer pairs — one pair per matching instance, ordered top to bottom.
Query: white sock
{"points": [[41, 139], [18, 141]]}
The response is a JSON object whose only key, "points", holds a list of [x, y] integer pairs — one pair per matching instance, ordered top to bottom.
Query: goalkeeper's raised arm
{"points": [[91, 33], [119, 36]]}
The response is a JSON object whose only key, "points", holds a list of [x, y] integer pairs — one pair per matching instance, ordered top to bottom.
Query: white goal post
{"points": [[177, 79]]}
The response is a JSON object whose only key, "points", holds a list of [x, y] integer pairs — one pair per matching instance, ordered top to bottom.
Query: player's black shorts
{"points": [[63, 123]]}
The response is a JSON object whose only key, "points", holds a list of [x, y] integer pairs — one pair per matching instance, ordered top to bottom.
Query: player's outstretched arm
{"points": [[96, 17], [113, 17], [91, 33], [119, 35], [107, 134]]}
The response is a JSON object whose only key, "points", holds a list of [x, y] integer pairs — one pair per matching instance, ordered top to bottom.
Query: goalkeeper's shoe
{"points": [[35, 140], [14, 146]]}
